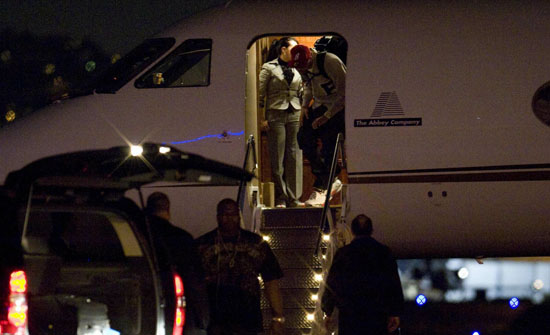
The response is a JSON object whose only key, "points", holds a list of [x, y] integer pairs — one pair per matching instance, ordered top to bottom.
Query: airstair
{"points": [[292, 235], [304, 241]]}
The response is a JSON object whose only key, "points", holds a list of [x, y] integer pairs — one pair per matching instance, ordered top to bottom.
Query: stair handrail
{"points": [[338, 147], [250, 148]]}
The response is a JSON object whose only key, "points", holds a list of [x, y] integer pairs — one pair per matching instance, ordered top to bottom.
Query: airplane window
{"points": [[133, 63], [188, 65], [541, 104], [462, 296]]}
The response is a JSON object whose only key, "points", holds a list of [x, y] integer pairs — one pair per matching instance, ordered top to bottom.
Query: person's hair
{"points": [[277, 46], [157, 202], [224, 203], [361, 225]]}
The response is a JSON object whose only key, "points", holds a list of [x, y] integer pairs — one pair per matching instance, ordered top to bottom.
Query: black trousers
{"points": [[308, 137]]}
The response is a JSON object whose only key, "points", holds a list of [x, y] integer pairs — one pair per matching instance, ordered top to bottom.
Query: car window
{"points": [[80, 236]]}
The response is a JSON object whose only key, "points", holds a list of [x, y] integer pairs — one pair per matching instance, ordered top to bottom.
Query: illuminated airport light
{"points": [[115, 58], [90, 66], [49, 68], [10, 115], [136, 150], [164, 150], [326, 237], [266, 238], [463, 273], [318, 277], [538, 284], [314, 297], [421, 299], [513, 302], [310, 317]]}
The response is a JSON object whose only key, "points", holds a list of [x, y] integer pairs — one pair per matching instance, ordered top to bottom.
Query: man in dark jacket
{"points": [[175, 250], [364, 284]]}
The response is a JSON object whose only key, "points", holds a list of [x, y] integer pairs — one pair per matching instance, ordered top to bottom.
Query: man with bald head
{"points": [[364, 284]]}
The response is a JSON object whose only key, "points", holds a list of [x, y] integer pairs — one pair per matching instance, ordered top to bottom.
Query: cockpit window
{"points": [[133, 63], [188, 65], [541, 104]]}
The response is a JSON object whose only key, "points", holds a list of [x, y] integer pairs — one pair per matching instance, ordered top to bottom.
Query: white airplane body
{"points": [[444, 149]]}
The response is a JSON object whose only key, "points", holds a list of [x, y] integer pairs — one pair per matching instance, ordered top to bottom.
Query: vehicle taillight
{"points": [[17, 308], [179, 317]]}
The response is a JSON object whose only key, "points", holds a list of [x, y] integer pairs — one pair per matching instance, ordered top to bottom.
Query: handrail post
{"points": [[250, 146], [326, 207]]}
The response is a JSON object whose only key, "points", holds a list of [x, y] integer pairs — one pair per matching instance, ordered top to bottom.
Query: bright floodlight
{"points": [[136, 150], [164, 150], [326, 237], [266, 238], [463, 273], [318, 277], [538, 284], [314, 297], [310, 317], [476, 333]]}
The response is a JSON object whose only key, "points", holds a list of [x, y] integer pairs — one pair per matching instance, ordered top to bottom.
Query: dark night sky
{"points": [[117, 26]]}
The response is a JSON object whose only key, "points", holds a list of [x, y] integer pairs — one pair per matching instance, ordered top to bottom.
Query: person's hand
{"points": [[305, 113], [318, 122], [264, 126], [330, 323], [393, 323], [277, 328]]}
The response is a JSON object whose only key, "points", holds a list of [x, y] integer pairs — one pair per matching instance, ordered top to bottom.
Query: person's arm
{"points": [[336, 70], [265, 75], [273, 295]]}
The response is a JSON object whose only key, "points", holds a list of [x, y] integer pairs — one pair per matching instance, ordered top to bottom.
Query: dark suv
{"points": [[75, 254]]}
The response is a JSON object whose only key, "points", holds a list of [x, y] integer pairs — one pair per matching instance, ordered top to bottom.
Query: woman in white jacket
{"points": [[279, 92]]}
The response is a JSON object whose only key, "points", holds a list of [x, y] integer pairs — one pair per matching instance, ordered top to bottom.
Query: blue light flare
{"points": [[222, 135], [421, 299], [514, 303], [476, 333]]}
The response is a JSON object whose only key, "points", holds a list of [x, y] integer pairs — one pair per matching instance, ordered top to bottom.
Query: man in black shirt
{"points": [[175, 250], [232, 259], [364, 284]]}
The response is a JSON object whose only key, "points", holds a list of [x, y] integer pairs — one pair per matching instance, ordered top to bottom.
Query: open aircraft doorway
{"points": [[261, 50]]}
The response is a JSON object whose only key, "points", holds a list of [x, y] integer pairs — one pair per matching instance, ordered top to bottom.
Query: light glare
{"points": [[136, 150], [164, 150], [326, 237], [463, 273], [538, 284]]}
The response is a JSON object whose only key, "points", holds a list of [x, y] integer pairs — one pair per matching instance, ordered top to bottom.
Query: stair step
{"points": [[294, 217], [292, 238], [297, 258], [300, 278], [294, 298], [296, 318]]}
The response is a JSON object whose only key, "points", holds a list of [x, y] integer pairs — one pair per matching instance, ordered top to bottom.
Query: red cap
{"points": [[300, 56]]}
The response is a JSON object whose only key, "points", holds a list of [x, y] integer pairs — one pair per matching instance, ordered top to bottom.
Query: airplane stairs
{"points": [[292, 234]]}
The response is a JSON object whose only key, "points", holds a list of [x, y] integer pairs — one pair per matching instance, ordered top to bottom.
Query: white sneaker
{"points": [[336, 187], [317, 198]]}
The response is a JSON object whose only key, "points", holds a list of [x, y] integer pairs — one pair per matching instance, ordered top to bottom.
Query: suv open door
{"points": [[84, 254]]}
